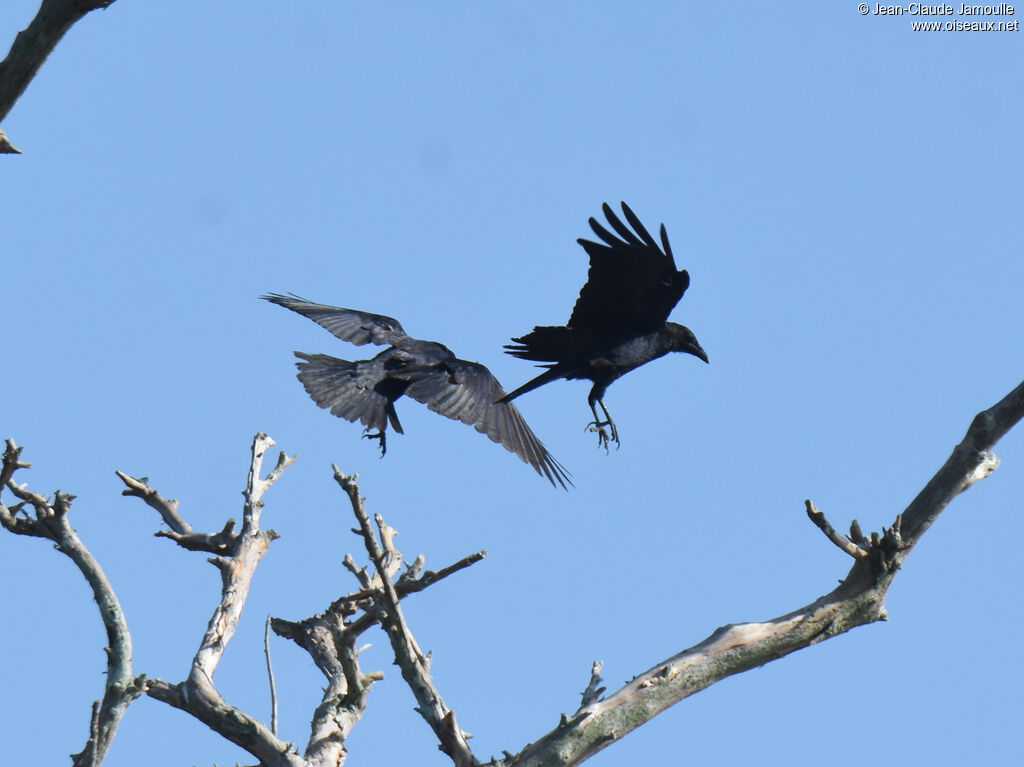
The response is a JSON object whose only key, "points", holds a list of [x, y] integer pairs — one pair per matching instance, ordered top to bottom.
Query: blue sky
{"points": [[845, 194]]}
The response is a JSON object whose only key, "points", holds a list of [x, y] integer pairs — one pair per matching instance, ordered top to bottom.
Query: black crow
{"points": [[619, 321], [428, 372]]}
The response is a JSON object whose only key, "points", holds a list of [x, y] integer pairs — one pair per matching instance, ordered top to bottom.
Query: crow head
{"points": [[683, 340]]}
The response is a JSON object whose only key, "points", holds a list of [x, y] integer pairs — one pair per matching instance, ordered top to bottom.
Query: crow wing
{"points": [[632, 283], [347, 324], [469, 392]]}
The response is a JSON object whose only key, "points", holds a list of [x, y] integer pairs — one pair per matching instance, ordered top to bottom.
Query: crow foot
{"points": [[603, 439], [382, 440]]}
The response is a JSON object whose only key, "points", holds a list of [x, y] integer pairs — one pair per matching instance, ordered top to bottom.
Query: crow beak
{"points": [[698, 352]]}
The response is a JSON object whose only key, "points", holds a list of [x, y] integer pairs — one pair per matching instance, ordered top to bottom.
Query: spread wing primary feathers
{"points": [[633, 284], [356, 327], [366, 390], [469, 392]]}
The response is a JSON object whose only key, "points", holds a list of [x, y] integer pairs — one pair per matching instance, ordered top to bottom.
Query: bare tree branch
{"points": [[34, 43], [969, 462], [167, 508], [50, 521], [855, 550], [237, 558], [403, 587], [330, 637], [331, 640], [332, 647], [732, 649], [411, 660]]}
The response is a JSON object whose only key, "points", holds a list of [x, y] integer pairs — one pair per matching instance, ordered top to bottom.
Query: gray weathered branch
{"points": [[165, 507], [50, 520], [237, 555], [327, 637], [331, 637], [331, 645], [732, 649], [414, 664]]}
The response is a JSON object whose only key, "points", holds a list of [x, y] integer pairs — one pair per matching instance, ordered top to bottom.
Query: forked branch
{"points": [[236, 556], [415, 665]]}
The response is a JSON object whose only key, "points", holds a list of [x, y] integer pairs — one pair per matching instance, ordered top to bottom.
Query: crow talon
{"points": [[602, 435], [382, 440]]}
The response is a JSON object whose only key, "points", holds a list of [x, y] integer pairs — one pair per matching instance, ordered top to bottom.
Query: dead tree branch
{"points": [[33, 45], [970, 461], [167, 508], [49, 519], [854, 549], [236, 556], [330, 637], [331, 645], [732, 649], [414, 664]]}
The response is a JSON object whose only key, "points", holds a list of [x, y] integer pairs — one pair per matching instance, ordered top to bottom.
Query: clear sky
{"points": [[846, 195]]}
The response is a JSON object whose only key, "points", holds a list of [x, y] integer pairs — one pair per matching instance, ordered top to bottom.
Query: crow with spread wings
{"points": [[620, 319], [366, 390]]}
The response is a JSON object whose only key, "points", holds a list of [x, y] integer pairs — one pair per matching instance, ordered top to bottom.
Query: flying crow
{"points": [[619, 321], [428, 372]]}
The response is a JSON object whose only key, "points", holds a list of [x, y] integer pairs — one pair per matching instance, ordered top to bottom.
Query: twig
{"points": [[167, 508], [818, 518], [221, 543], [403, 587], [347, 605], [270, 677], [594, 689]]}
